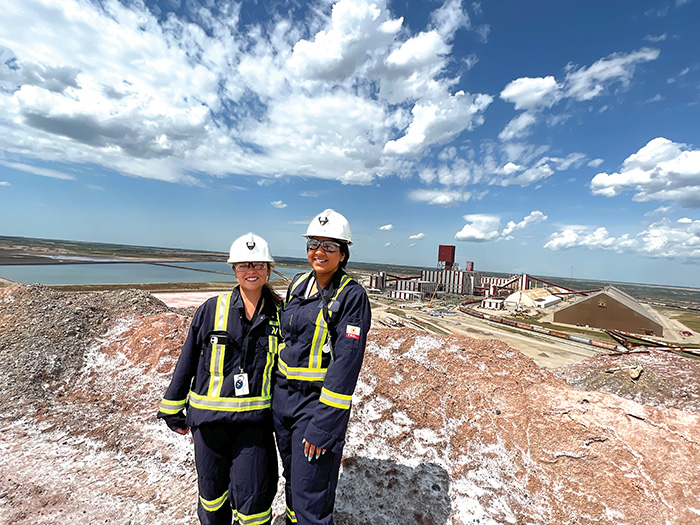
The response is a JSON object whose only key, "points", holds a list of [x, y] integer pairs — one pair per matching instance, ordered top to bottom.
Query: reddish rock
{"points": [[444, 430]]}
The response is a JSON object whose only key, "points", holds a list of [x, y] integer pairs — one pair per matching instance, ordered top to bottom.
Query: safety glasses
{"points": [[328, 246], [243, 266]]}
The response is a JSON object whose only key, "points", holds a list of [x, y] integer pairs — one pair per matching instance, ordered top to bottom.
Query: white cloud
{"points": [[449, 18], [654, 39], [589, 82], [528, 93], [187, 98], [436, 122], [518, 128], [595, 163], [511, 168], [37, 170], [661, 170], [531, 175], [4, 183], [444, 197], [278, 204], [661, 210], [533, 218], [386, 227], [487, 227], [479, 228], [417, 236], [660, 239]]}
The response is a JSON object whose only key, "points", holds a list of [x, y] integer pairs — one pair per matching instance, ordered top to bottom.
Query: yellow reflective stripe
{"points": [[301, 278], [293, 285], [221, 317], [321, 332], [317, 342], [216, 364], [267, 374], [302, 374], [334, 399], [229, 404], [172, 407], [214, 504], [291, 515], [255, 519]]}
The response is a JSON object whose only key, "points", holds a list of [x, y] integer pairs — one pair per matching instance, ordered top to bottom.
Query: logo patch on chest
{"points": [[352, 332]]}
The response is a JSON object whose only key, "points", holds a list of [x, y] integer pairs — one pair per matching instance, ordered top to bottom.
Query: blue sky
{"points": [[554, 138]]}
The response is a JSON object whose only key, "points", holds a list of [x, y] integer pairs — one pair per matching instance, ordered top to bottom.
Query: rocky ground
{"points": [[445, 430]]}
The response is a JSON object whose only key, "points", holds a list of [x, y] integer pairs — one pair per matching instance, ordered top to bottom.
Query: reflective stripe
{"points": [[301, 278], [321, 332], [273, 340], [317, 342], [216, 365], [267, 373], [302, 374], [335, 400], [229, 404], [172, 407], [214, 504], [291, 515], [254, 519]]}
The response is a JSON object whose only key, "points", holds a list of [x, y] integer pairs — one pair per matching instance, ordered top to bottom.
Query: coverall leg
{"points": [[236, 469], [309, 485]]}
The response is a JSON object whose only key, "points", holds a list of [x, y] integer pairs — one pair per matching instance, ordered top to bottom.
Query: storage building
{"points": [[612, 309]]}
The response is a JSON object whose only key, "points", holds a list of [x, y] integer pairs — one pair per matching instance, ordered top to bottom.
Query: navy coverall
{"points": [[314, 387], [234, 447]]}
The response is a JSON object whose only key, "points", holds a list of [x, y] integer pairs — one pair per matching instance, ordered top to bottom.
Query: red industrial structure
{"points": [[446, 256]]}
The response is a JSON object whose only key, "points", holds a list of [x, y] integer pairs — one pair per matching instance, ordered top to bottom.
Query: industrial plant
{"points": [[521, 295]]}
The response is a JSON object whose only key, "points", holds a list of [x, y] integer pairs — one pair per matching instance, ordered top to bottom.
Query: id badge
{"points": [[240, 383]]}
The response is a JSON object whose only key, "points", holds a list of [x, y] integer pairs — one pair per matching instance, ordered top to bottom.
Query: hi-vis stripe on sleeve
{"points": [[216, 365], [302, 373], [335, 400], [171, 407]]}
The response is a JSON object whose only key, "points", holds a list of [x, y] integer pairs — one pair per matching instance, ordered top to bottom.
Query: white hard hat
{"points": [[330, 224], [250, 248]]}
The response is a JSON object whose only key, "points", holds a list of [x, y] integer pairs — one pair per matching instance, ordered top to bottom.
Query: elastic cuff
{"points": [[319, 438]]}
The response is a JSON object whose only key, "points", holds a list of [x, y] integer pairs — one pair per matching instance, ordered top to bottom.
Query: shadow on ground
{"points": [[384, 492]]}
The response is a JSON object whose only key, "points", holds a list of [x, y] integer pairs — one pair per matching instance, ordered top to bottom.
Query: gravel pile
{"points": [[44, 334]]}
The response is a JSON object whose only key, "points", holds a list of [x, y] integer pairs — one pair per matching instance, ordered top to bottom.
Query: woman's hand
{"points": [[312, 450]]}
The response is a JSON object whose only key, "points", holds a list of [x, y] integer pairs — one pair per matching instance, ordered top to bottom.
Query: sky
{"points": [[553, 138]]}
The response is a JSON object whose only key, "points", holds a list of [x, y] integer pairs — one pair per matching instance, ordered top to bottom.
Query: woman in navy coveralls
{"points": [[324, 324], [223, 379]]}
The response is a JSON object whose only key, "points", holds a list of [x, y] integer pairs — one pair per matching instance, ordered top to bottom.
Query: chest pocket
{"points": [[321, 338], [218, 342]]}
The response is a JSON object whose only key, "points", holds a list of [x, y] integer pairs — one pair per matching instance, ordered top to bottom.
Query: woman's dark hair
{"points": [[344, 249], [270, 292], [276, 299]]}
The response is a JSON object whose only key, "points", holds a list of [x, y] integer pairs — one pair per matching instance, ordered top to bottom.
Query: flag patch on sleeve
{"points": [[352, 331]]}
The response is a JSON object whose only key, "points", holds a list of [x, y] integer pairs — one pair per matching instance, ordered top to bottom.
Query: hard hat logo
{"points": [[322, 226], [250, 248]]}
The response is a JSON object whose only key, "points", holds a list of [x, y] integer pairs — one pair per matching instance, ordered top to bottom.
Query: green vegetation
{"points": [[689, 318]]}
